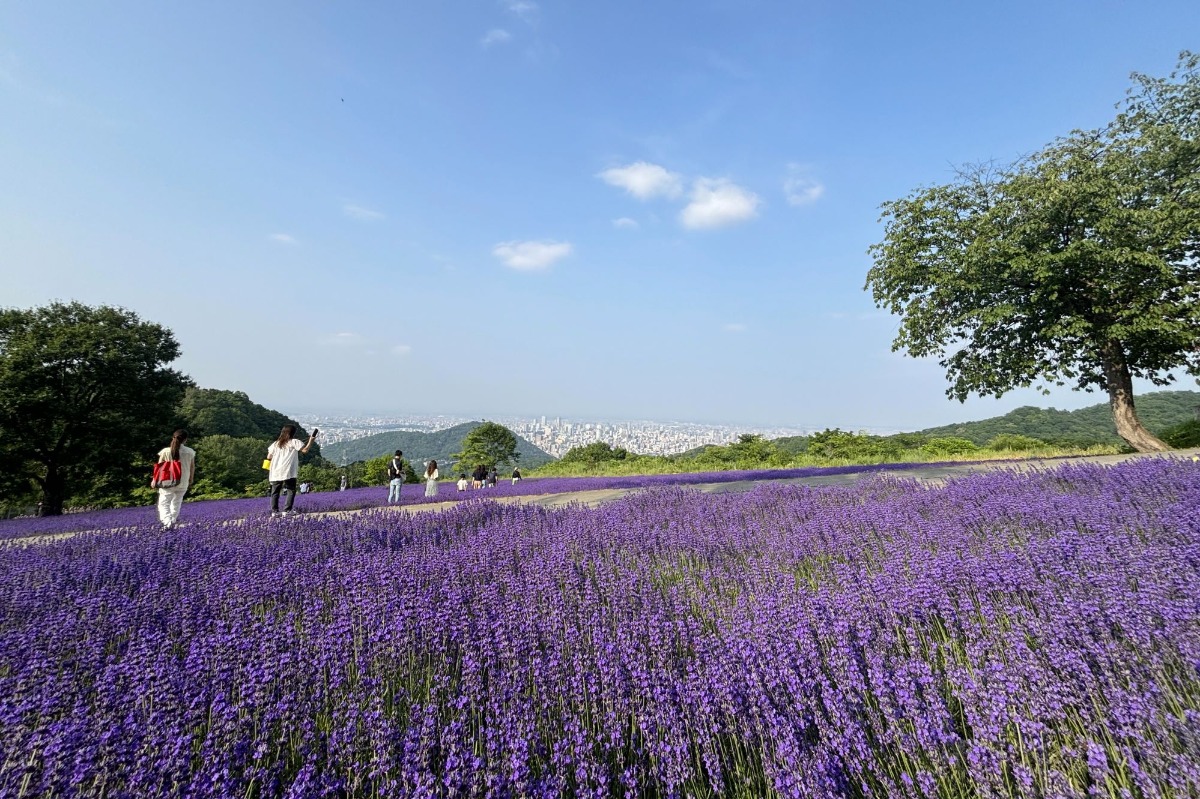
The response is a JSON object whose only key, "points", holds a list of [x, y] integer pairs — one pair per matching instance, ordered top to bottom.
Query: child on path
{"points": [[284, 455], [462, 482], [171, 499]]}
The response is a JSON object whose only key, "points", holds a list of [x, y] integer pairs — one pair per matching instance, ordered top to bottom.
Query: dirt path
{"points": [[934, 474]]}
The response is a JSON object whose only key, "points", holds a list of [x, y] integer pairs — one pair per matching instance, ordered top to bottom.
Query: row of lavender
{"points": [[356, 498], [1006, 635]]}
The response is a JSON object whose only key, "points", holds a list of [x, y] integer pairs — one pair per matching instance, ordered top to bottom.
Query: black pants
{"points": [[280, 485]]}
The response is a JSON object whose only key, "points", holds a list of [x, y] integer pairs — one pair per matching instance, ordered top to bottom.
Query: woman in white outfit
{"points": [[284, 455], [431, 476], [171, 499]]}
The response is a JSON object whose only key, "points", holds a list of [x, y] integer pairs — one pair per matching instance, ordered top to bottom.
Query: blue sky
{"points": [[615, 210]]}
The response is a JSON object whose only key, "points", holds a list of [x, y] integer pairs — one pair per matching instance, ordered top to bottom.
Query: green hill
{"points": [[212, 411], [1091, 425], [420, 447]]}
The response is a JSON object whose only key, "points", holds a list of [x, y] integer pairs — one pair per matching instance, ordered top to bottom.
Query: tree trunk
{"points": [[1120, 398], [54, 493]]}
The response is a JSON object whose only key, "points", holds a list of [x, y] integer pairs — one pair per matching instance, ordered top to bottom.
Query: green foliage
{"points": [[1078, 264], [82, 392], [210, 411], [1081, 428], [1183, 436], [1014, 442], [490, 444], [840, 445], [420, 447], [940, 447], [594, 453], [229, 466], [375, 471], [323, 477]]}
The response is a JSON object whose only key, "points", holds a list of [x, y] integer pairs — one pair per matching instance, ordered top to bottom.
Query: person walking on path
{"points": [[284, 455], [396, 473], [478, 476], [431, 477], [171, 499]]}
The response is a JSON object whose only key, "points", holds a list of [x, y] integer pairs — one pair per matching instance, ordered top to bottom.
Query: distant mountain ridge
{"points": [[1091, 425], [420, 447]]}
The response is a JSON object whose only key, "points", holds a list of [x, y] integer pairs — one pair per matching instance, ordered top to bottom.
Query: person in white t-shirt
{"points": [[284, 455], [171, 499]]}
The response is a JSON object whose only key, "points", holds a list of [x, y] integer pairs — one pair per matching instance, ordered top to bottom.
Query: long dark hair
{"points": [[285, 435], [177, 439], [431, 468]]}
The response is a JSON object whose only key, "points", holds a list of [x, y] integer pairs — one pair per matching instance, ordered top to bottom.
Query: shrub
{"points": [[1183, 436], [1014, 442], [948, 446]]}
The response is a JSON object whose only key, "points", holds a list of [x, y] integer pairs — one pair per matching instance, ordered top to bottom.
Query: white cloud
{"points": [[525, 9], [495, 36], [644, 180], [800, 188], [718, 202], [358, 212], [625, 223], [283, 238], [528, 256], [733, 327], [366, 345]]}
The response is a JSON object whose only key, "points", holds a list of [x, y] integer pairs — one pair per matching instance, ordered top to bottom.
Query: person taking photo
{"points": [[284, 455]]}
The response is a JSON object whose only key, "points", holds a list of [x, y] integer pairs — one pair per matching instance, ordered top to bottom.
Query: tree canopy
{"points": [[1079, 264], [82, 391], [490, 444], [596, 452]]}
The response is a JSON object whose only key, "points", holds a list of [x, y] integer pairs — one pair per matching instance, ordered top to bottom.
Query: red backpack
{"points": [[167, 474]]}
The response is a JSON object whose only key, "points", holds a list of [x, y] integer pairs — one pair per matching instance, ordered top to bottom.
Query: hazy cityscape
{"points": [[556, 435]]}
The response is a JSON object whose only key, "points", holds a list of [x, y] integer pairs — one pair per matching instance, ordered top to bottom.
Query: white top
{"points": [[285, 460], [187, 461], [431, 477]]}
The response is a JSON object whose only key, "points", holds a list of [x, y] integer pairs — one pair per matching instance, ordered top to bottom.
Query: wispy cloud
{"points": [[525, 9], [495, 36], [644, 180], [800, 187], [718, 202], [359, 212], [625, 223], [283, 238], [531, 256], [733, 327], [346, 340], [365, 345]]}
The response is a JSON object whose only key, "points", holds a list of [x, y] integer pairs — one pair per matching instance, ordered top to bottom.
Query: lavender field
{"points": [[376, 496], [1006, 635]]}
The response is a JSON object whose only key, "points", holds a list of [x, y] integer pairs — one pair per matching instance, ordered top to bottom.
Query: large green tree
{"points": [[1079, 264], [84, 394], [490, 444]]}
